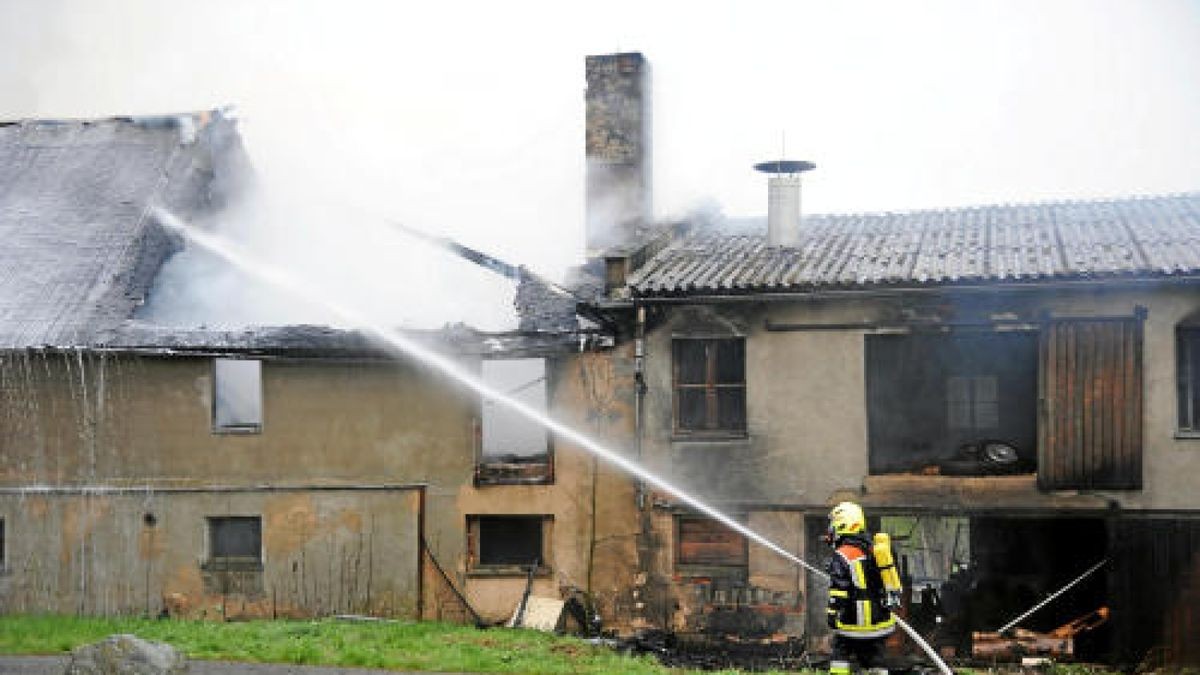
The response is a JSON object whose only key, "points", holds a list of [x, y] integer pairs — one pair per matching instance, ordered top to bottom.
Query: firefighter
{"points": [[859, 600]]}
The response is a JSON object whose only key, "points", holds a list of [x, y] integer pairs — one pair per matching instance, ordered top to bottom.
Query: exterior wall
{"points": [[90, 441], [807, 441], [592, 504], [145, 552]]}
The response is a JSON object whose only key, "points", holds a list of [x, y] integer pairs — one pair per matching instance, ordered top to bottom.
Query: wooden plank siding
{"points": [[1090, 386], [1154, 592]]}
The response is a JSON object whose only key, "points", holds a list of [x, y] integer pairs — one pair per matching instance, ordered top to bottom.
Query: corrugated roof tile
{"points": [[1146, 236]]}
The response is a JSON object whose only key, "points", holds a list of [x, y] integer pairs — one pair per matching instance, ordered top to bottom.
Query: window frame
{"points": [[1187, 378], [711, 386], [974, 403], [237, 429], [489, 471], [475, 543], [231, 562]]}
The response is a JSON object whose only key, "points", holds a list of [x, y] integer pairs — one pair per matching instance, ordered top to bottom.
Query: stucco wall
{"points": [[806, 401], [104, 421], [806, 445], [593, 541], [323, 552]]}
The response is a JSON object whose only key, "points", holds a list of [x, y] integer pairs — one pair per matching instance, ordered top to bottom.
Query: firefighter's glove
{"points": [[891, 599], [831, 619]]}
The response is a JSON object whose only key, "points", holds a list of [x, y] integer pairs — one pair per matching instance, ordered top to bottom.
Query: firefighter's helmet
{"points": [[847, 518]]}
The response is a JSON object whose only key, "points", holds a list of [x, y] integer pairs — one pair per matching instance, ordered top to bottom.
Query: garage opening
{"points": [[960, 403], [964, 574]]}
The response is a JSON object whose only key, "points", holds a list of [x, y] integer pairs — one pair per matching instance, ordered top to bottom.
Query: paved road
{"points": [[54, 665]]}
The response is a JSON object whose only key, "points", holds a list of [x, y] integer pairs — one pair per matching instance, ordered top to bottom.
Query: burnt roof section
{"points": [[1143, 237], [79, 252], [308, 341]]}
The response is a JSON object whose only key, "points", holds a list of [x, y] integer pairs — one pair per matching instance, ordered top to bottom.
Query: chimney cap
{"points": [[784, 166]]}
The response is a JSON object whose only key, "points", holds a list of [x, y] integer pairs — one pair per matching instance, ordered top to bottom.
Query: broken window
{"points": [[1187, 356], [710, 385], [237, 395], [952, 403], [513, 448], [235, 540], [707, 543], [507, 544]]}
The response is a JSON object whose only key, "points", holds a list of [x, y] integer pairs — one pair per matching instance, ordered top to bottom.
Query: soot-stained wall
{"points": [[807, 440]]}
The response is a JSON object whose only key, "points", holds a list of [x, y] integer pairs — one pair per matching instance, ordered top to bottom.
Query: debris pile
{"points": [[676, 651]]}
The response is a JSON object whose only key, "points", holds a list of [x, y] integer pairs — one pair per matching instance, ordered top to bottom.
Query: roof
{"points": [[1143, 237], [79, 253], [323, 341]]}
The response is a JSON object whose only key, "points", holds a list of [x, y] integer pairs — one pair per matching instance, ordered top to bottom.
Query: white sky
{"points": [[466, 118]]}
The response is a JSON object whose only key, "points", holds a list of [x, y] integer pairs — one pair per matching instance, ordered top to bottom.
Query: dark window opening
{"points": [[1187, 360], [710, 385], [237, 396], [954, 404], [514, 449], [235, 540], [508, 544], [707, 547], [3, 549]]}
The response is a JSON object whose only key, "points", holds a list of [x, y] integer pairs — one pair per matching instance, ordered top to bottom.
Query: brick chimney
{"points": [[617, 146]]}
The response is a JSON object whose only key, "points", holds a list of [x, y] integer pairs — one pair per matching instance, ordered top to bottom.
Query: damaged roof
{"points": [[1070, 240], [79, 252], [324, 341]]}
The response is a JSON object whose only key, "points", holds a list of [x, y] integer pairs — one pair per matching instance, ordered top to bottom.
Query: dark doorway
{"points": [[961, 403]]}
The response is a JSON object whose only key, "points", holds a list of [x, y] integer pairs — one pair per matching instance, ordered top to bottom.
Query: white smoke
{"points": [[349, 253]]}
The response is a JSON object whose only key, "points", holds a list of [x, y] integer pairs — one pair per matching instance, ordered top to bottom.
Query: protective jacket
{"points": [[856, 592]]}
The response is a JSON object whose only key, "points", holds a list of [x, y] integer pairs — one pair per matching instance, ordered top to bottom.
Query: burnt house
{"points": [[1008, 390], [273, 471]]}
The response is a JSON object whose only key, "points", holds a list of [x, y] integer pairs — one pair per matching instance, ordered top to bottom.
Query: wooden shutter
{"points": [[1090, 386]]}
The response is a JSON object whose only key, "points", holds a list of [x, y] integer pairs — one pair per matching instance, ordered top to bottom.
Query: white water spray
{"points": [[416, 350]]}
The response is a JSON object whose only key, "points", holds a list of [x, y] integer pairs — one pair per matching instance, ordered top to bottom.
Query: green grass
{"points": [[402, 646]]}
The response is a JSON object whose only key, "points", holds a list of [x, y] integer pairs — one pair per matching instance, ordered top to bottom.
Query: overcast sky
{"points": [[466, 118]]}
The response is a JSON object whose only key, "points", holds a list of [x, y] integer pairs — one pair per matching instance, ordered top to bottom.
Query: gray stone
{"points": [[126, 655]]}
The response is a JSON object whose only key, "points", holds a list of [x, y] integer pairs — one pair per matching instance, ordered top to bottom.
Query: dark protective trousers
{"points": [[868, 652]]}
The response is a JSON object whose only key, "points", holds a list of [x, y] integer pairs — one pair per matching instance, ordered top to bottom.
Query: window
{"points": [[1187, 357], [710, 385], [237, 396], [973, 403], [508, 434], [512, 448], [235, 540], [706, 543], [507, 544], [3, 550]]}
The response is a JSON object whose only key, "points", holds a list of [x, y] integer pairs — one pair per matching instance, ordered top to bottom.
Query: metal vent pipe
{"points": [[783, 200]]}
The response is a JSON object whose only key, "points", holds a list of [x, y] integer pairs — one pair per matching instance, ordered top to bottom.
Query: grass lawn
{"points": [[399, 645], [402, 645]]}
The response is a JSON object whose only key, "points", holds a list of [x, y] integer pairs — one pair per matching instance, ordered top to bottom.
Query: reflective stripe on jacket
{"points": [[856, 592]]}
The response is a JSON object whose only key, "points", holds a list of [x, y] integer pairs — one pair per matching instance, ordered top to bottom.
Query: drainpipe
{"points": [[639, 383], [644, 530]]}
